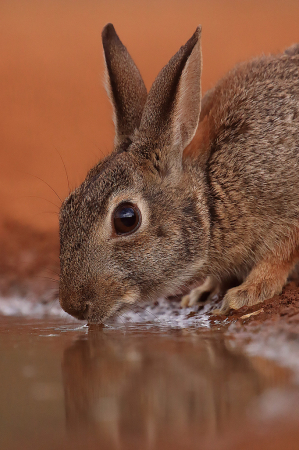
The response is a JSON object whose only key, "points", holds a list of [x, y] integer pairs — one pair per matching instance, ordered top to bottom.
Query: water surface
{"points": [[63, 385]]}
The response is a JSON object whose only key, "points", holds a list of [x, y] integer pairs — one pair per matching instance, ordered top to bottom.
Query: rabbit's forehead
{"points": [[113, 170], [117, 174], [88, 203]]}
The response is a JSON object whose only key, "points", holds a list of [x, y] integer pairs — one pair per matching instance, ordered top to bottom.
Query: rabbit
{"points": [[193, 189]]}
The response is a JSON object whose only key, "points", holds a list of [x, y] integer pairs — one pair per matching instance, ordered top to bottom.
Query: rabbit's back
{"points": [[250, 135]]}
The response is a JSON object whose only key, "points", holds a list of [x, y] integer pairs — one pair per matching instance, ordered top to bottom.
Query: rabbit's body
{"points": [[249, 135], [222, 204]]}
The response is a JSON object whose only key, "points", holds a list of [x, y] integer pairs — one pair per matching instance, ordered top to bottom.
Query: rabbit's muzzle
{"points": [[97, 299], [75, 302]]}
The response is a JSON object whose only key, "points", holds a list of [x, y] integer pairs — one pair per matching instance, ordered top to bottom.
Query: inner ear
{"points": [[125, 86], [171, 113]]}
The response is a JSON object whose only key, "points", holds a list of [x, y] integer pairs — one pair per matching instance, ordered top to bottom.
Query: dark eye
{"points": [[126, 218]]}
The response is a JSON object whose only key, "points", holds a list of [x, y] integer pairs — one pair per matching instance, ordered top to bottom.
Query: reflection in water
{"points": [[150, 387]]}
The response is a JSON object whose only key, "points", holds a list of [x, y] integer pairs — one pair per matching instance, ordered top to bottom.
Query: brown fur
{"points": [[217, 186]]}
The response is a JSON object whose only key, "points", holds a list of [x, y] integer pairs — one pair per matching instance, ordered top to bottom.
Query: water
{"points": [[64, 385]]}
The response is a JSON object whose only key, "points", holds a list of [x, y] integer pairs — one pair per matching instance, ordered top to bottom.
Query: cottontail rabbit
{"points": [[193, 189]]}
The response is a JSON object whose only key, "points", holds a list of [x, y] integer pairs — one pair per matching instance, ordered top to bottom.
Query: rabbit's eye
{"points": [[126, 218]]}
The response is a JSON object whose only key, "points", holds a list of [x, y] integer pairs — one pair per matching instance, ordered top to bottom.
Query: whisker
{"points": [[94, 144], [103, 154], [35, 176], [67, 177], [42, 198], [46, 212], [53, 260], [51, 270], [47, 278], [56, 292], [52, 304], [131, 309], [146, 311], [118, 314]]}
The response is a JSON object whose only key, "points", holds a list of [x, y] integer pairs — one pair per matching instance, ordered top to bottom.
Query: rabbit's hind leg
{"points": [[265, 280], [210, 286]]}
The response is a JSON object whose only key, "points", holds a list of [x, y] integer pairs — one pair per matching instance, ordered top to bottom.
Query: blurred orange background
{"points": [[51, 71]]}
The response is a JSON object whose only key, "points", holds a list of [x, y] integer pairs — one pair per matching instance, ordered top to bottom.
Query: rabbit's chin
{"points": [[97, 315], [98, 318]]}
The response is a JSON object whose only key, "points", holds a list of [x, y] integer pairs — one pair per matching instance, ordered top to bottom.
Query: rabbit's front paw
{"points": [[264, 281], [245, 295], [194, 297], [235, 298], [223, 311]]}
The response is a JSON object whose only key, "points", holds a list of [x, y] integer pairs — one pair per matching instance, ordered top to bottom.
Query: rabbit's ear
{"points": [[124, 85], [171, 113]]}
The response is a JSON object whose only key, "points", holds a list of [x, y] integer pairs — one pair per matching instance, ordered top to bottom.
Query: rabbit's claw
{"points": [[265, 280], [194, 297]]}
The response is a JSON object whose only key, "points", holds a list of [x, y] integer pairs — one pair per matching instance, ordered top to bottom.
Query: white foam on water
{"points": [[161, 313], [166, 313]]}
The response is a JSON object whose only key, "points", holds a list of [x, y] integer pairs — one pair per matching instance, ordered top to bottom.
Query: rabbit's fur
{"points": [[217, 186]]}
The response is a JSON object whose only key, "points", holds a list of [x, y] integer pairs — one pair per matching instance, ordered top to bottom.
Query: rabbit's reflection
{"points": [[147, 386]]}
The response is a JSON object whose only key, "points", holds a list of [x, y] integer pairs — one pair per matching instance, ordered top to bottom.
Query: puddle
{"points": [[64, 385]]}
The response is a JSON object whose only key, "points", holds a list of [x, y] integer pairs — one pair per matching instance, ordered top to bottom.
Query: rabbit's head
{"points": [[136, 228]]}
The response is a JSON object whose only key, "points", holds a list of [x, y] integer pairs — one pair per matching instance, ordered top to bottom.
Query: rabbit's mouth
{"points": [[95, 317]]}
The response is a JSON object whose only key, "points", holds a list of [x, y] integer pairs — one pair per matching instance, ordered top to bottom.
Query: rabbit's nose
{"points": [[77, 309], [78, 314]]}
